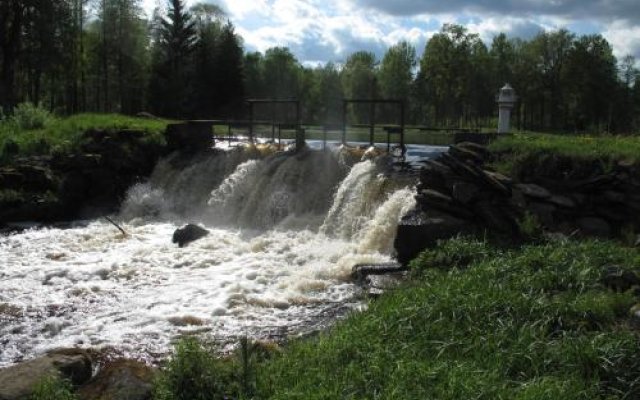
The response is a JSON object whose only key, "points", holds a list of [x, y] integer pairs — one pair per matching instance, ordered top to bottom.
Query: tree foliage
{"points": [[105, 55]]}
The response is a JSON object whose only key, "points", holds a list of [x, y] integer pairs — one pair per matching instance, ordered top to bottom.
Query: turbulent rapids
{"points": [[285, 232]]}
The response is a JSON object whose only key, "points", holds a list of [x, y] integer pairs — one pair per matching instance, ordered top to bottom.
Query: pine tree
{"points": [[172, 60]]}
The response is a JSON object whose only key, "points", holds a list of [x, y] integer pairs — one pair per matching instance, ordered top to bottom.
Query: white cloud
{"points": [[329, 30], [624, 37]]}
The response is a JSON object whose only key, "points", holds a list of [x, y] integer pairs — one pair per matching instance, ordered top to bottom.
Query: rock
{"points": [[476, 148], [464, 154], [461, 168], [491, 181], [506, 181], [591, 184], [533, 190], [465, 192], [614, 197], [433, 199], [518, 199], [562, 201], [544, 212], [616, 214], [495, 218], [593, 226], [417, 231], [188, 234], [361, 271], [619, 279], [120, 380], [18, 381]]}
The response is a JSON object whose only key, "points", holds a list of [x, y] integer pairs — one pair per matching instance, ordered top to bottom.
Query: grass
{"points": [[64, 134], [522, 146], [476, 321], [53, 388]]}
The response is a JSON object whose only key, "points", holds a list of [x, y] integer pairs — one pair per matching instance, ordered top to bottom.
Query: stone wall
{"points": [[459, 194]]}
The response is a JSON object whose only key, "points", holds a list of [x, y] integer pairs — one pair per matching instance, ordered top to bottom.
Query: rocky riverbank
{"points": [[87, 183], [460, 193], [113, 380]]}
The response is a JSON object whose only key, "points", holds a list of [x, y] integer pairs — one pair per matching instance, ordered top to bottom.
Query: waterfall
{"points": [[179, 187], [285, 190], [309, 190], [285, 231]]}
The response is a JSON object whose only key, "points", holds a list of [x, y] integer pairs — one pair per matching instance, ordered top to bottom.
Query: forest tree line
{"points": [[75, 56]]}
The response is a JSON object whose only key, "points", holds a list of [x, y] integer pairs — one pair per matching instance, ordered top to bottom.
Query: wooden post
{"points": [[251, 122], [344, 122], [372, 123], [402, 126], [299, 130]]}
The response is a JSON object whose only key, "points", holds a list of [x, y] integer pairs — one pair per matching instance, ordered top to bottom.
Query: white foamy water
{"points": [[269, 261]]}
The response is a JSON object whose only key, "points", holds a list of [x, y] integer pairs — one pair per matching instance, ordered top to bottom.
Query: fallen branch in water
{"points": [[116, 225]]}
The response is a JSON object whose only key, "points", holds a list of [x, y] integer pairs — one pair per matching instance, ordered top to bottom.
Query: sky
{"points": [[319, 31]]}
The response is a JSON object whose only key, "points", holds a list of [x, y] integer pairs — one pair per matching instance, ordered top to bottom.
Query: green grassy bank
{"points": [[64, 134], [514, 151], [475, 321]]}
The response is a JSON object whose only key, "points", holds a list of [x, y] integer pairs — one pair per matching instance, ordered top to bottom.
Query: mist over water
{"points": [[285, 233]]}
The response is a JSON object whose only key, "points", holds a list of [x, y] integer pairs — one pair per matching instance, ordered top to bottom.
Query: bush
{"points": [[28, 116], [194, 373], [53, 388]]}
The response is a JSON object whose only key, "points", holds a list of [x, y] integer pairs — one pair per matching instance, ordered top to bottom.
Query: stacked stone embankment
{"points": [[459, 193]]}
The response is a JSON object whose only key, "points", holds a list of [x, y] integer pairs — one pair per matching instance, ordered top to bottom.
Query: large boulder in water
{"points": [[188, 234], [18, 381]]}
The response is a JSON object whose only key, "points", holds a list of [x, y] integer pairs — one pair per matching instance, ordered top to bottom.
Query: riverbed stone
{"points": [[533, 190], [465, 192], [433, 199], [562, 201], [545, 212], [594, 226], [188, 234], [120, 380], [18, 381]]}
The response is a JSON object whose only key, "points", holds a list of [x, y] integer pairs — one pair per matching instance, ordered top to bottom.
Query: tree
{"points": [[12, 16], [551, 50], [280, 69], [229, 72], [445, 73], [396, 75], [254, 80], [359, 82], [590, 84], [170, 86], [330, 94]]}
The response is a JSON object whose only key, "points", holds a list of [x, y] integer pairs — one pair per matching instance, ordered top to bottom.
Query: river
{"points": [[285, 233]]}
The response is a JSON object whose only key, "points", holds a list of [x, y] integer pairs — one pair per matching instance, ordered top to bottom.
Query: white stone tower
{"points": [[506, 100]]}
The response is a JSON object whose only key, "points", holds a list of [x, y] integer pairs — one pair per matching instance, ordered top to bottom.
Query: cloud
{"points": [[599, 9], [330, 30], [624, 37]]}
